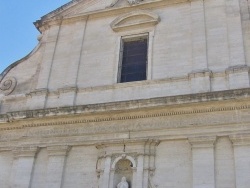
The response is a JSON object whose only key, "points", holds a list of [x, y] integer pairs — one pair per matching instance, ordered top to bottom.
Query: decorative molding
{"points": [[132, 2], [99, 13], [139, 18], [237, 69], [200, 73], [8, 85], [67, 89], [38, 92], [137, 104], [240, 140], [202, 142], [58, 150], [25, 151], [124, 156], [150, 182]]}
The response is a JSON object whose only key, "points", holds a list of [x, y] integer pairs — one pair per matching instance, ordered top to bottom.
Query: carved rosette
{"points": [[8, 85]]}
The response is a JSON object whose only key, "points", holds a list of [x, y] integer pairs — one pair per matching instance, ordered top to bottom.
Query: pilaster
{"points": [[52, 34], [235, 35], [199, 48], [237, 71], [238, 76], [200, 81], [241, 144], [24, 158], [6, 161], [203, 161], [56, 164], [107, 166], [139, 176]]}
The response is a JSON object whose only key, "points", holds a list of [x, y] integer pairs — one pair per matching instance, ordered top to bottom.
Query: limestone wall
{"points": [[195, 47], [65, 121], [177, 165]]}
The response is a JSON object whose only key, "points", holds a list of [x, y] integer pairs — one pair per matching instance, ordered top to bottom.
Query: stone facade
{"points": [[66, 122]]}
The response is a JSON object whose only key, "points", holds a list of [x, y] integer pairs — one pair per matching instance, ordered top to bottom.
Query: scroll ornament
{"points": [[8, 85]]}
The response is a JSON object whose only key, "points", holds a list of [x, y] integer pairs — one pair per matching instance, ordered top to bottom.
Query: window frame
{"points": [[129, 38]]}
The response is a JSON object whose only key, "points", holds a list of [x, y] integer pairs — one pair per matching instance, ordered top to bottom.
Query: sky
{"points": [[18, 35]]}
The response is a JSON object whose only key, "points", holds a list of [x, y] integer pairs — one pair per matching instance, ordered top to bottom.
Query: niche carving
{"points": [[134, 160], [123, 168]]}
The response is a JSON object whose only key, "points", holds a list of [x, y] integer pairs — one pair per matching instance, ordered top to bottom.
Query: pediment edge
{"points": [[153, 19]]}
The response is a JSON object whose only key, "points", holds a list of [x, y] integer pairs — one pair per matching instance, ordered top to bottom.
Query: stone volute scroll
{"points": [[135, 19], [7, 85]]}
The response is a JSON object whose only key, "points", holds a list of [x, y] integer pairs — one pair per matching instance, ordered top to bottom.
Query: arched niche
{"points": [[135, 19], [134, 159], [123, 166]]}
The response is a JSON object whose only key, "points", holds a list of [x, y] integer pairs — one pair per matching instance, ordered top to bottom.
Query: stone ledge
{"points": [[54, 16], [237, 69], [133, 105], [240, 140], [202, 142], [58, 150], [25, 151]]}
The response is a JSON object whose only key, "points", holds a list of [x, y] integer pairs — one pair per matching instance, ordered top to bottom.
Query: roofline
{"points": [[54, 12], [3, 74]]}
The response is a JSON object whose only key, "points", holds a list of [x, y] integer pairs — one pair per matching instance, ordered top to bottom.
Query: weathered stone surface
{"points": [[65, 121]]}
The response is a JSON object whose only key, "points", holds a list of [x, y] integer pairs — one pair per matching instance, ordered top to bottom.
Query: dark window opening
{"points": [[134, 60]]}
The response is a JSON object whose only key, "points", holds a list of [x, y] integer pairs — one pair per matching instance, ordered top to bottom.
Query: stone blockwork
{"points": [[65, 121]]}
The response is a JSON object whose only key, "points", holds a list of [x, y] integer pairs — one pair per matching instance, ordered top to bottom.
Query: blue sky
{"points": [[18, 35]]}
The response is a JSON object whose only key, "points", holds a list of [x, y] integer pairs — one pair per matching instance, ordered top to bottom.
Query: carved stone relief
{"points": [[134, 1], [131, 2], [135, 19], [8, 85], [113, 164], [123, 169]]}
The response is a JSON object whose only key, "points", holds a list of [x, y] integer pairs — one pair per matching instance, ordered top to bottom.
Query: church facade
{"points": [[131, 94]]}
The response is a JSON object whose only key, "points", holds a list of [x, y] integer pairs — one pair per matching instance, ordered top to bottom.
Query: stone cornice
{"points": [[55, 17], [118, 24], [237, 69], [104, 108], [240, 140], [202, 142], [58, 150], [25, 151]]}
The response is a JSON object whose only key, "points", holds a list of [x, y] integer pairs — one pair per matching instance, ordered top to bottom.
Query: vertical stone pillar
{"points": [[245, 20], [235, 35], [199, 49], [48, 56], [237, 70], [200, 76], [41, 93], [241, 145], [6, 161], [203, 162], [224, 163], [56, 164], [23, 166], [107, 166], [112, 175], [134, 176], [139, 176]]}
